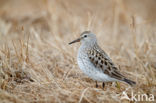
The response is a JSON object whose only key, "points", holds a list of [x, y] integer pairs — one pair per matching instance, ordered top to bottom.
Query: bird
{"points": [[95, 63]]}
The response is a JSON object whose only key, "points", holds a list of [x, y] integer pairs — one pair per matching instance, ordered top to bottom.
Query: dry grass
{"points": [[38, 65]]}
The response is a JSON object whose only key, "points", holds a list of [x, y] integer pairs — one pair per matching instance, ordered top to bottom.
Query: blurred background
{"points": [[64, 17], [34, 37]]}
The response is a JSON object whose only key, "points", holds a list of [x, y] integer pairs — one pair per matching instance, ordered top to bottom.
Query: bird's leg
{"points": [[96, 85], [103, 85]]}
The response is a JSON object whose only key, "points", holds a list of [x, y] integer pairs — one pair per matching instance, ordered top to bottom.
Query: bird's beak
{"points": [[77, 40]]}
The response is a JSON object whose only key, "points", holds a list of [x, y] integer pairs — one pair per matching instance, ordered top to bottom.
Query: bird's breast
{"points": [[85, 64]]}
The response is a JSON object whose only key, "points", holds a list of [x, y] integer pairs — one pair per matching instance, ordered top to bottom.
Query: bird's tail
{"points": [[130, 82]]}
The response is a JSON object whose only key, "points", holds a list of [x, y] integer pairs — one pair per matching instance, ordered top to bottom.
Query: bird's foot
{"points": [[96, 85], [103, 85]]}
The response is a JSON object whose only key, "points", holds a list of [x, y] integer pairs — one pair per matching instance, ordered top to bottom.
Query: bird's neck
{"points": [[88, 46]]}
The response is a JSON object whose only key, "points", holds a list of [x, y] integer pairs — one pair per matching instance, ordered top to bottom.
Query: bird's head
{"points": [[86, 37]]}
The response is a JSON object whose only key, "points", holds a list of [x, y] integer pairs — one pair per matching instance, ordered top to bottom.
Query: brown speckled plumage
{"points": [[101, 61], [95, 63]]}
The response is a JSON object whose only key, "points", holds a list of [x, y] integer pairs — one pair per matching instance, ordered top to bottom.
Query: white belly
{"points": [[91, 71]]}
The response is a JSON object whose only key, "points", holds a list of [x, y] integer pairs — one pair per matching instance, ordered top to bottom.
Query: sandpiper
{"points": [[95, 63]]}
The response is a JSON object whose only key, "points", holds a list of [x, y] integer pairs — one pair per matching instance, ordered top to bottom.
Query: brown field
{"points": [[38, 66]]}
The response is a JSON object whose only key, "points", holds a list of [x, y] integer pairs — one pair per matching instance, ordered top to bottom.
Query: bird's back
{"points": [[95, 63]]}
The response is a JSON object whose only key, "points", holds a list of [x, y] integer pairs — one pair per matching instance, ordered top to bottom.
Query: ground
{"points": [[37, 65]]}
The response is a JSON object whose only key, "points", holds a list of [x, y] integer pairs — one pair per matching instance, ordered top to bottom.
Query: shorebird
{"points": [[95, 63]]}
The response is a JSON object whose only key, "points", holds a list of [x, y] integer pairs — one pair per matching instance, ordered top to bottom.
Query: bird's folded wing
{"points": [[102, 62]]}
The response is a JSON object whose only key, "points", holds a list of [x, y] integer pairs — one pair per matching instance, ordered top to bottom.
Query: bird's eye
{"points": [[85, 36]]}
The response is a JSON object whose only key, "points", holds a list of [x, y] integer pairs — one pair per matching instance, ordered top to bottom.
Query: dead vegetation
{"points": [[38, 65]]}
